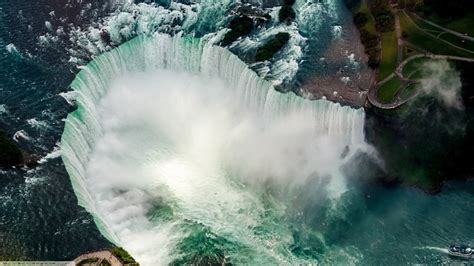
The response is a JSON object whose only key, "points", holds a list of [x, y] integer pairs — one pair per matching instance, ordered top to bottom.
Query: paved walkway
{"points": [[398, 31], [101, 255], [37, 263]]}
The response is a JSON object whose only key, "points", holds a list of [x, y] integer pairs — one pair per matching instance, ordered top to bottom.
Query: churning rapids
{"points": [[183, 154]]}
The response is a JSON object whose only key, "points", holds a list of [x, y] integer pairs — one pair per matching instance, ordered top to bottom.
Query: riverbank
{"points": [[424, 143]]}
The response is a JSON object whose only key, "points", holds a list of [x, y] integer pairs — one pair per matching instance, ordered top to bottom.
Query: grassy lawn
{"points": [[462, 24], [432, 29], [444, 35], [429, 43], [466, 44], [409, 51], [388, 61], [412, 66], [408, 92], [386, 93]]}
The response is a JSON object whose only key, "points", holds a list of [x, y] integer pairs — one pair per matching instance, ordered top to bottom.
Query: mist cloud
{"points": [[443, 82]]}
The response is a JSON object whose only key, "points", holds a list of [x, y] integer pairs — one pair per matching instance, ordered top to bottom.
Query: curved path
{"points": [[460, 35], [437, 37], [372, 95], [101, 255]]}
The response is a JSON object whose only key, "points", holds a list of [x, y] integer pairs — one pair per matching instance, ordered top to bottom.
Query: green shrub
{"points": [[352, 4], [286, 14], [384, 18], [360, 19], [239, 26], [370, 42], [267, 51], [10, 154], [123, 255]]}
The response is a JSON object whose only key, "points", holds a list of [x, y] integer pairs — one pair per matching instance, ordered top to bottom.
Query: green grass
{"points": [[461, 25], [432, 29], [453, 39], [427, 42], [469, 45], [409, 51], [388, 61], [412, 66], [414, 69], [408, 92], [386, 93], [123, 255]]}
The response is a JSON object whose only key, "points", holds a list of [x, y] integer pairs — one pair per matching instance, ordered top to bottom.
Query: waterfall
{"points": [[173, 139]]}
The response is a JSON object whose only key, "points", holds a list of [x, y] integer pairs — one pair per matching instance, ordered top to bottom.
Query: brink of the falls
{"points": [[177, 148]]}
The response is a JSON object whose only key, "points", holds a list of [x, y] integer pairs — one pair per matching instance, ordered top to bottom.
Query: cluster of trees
{"points": [[287, 13], [384, 18], [239, 26], [368, 39], [371, 45], [267, 51], [10, 154]]}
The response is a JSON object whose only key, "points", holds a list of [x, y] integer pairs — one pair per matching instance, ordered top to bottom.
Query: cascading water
{"points": [[177, 148]]}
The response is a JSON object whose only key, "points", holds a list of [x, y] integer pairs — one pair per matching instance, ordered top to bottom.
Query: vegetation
{"points": [[286, 14], [456, 15], [384, 18], [360, 19], [461, 24], [366, 25], [239, 26], [425, 41], [269, 49], [408, 51], [388, 62], [413, 66], [408, 91], [386, 93], [10, 154], [123, 255]]}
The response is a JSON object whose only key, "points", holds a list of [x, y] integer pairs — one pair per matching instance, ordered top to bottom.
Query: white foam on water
{"points": [[11, 48], [3, 109], [37, 124], [21, 135], [55, 153]]}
